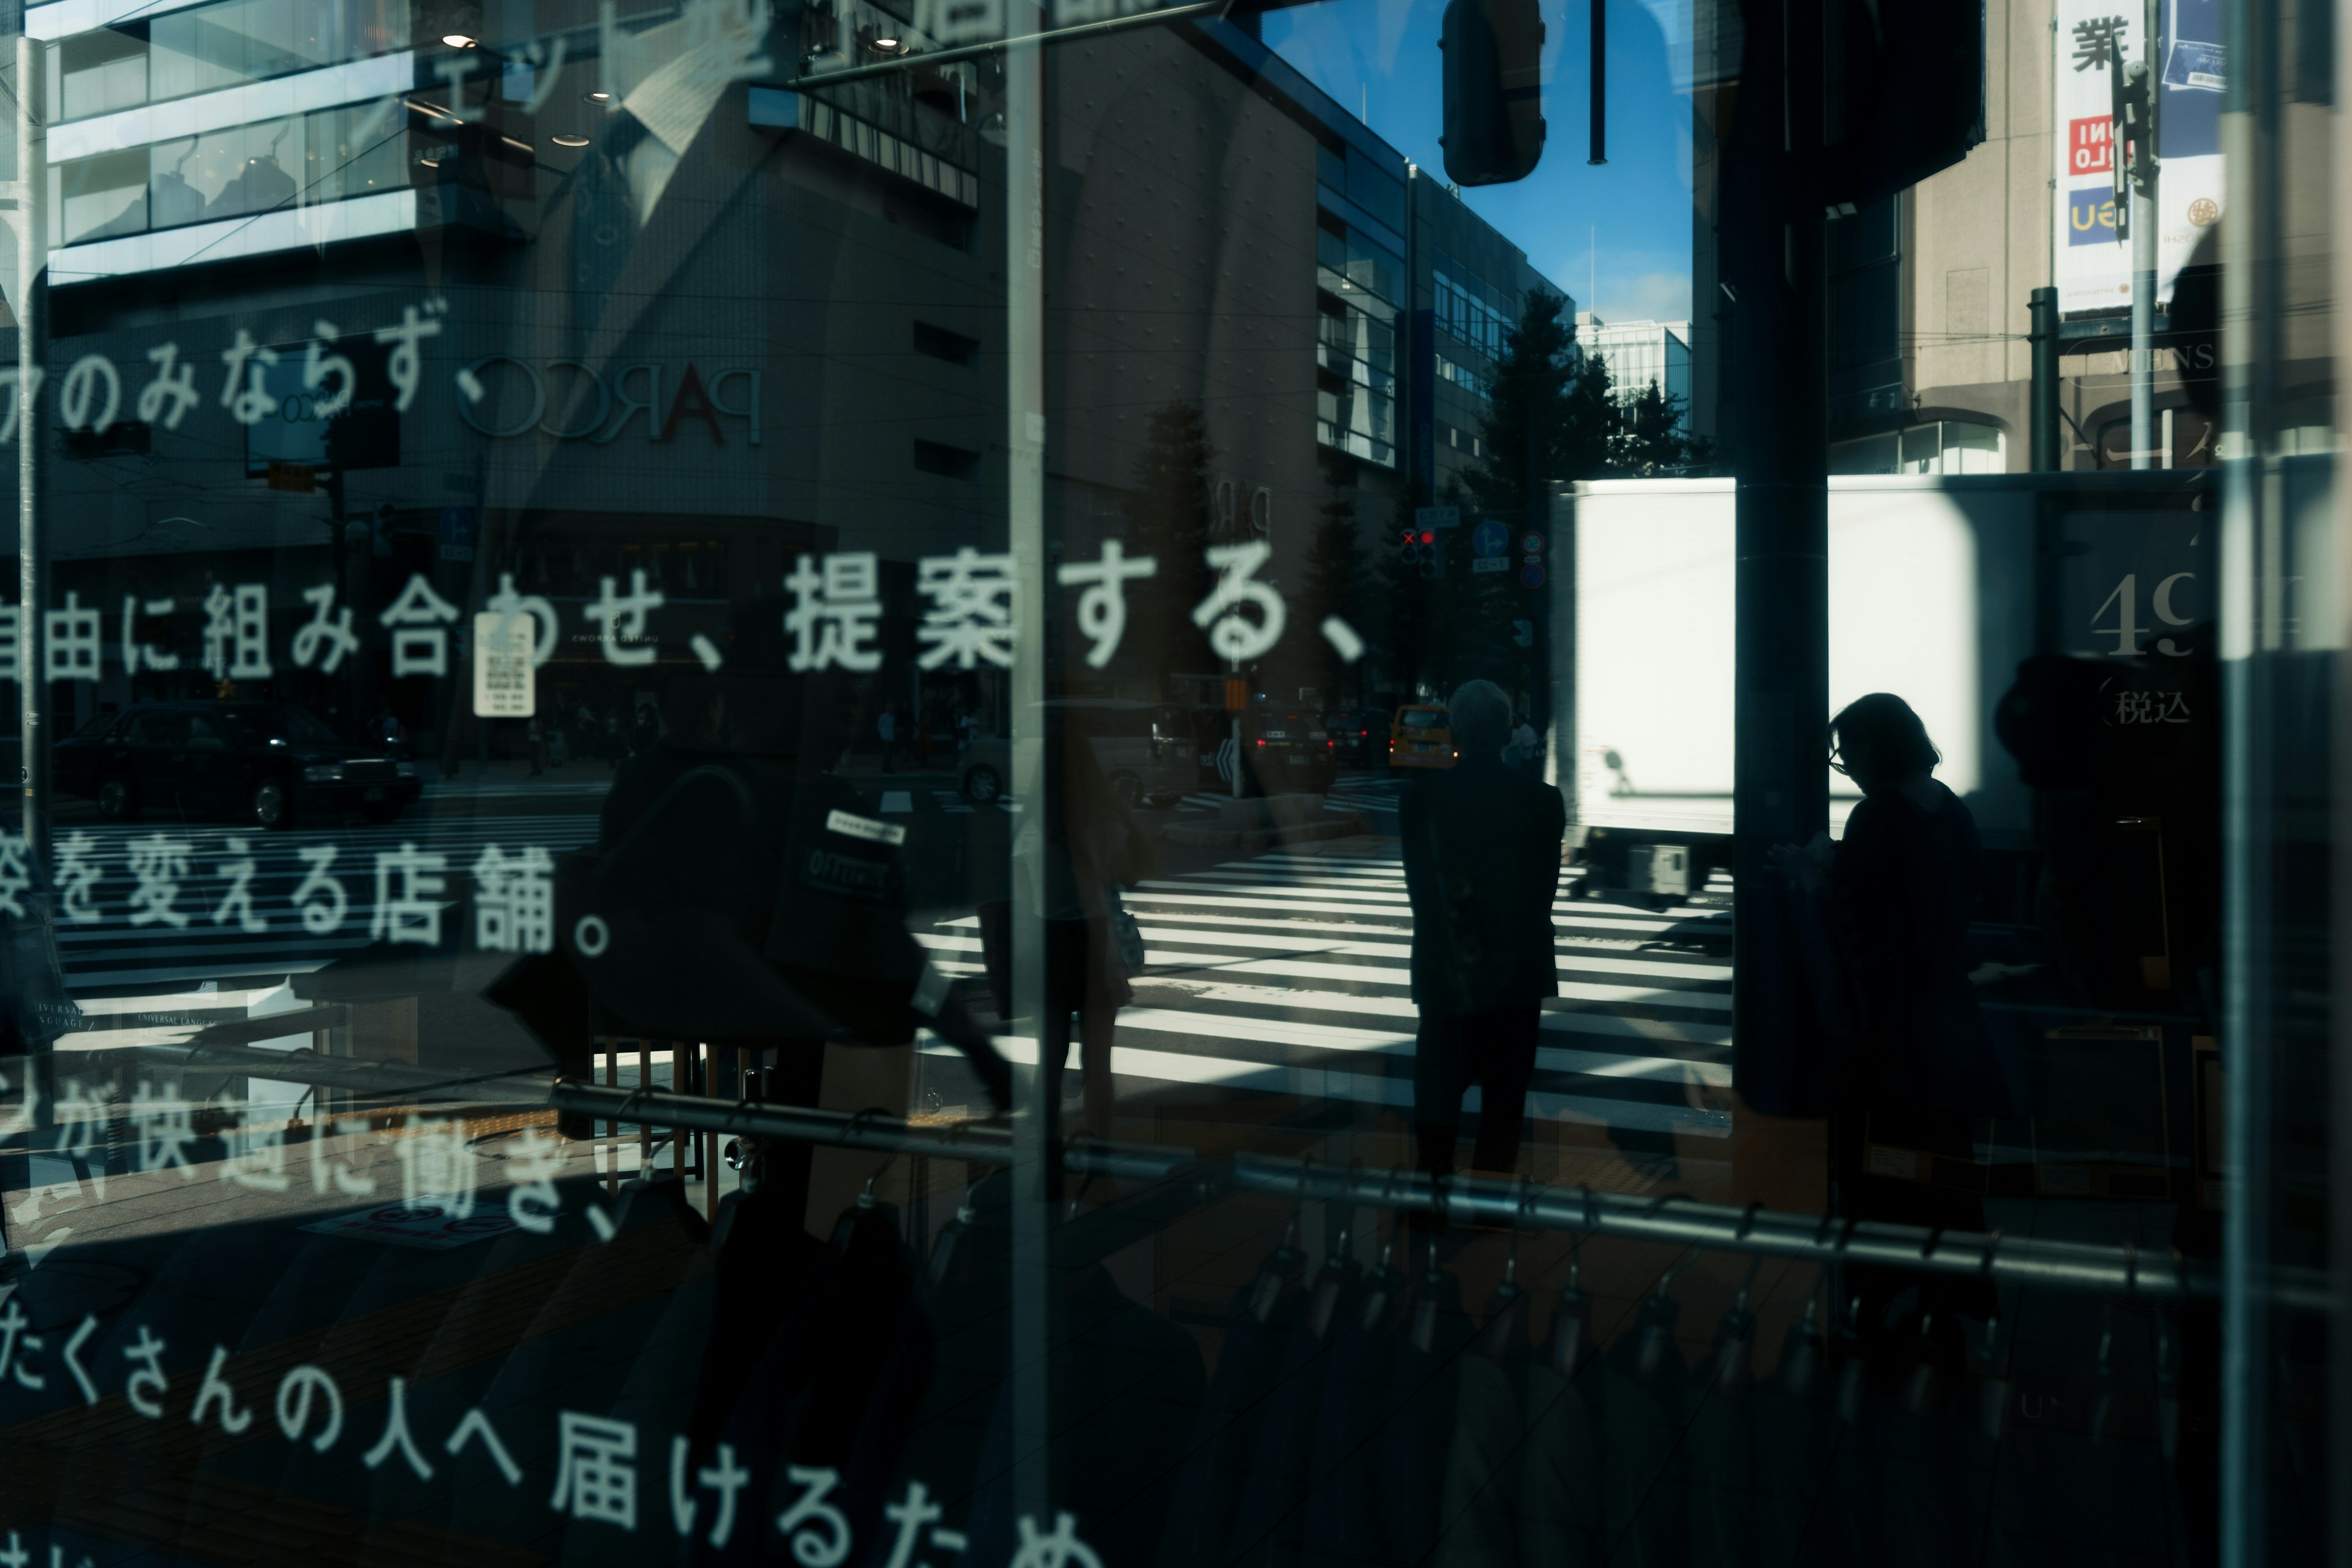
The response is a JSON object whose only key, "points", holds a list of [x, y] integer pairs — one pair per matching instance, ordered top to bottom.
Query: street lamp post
{"points": [[2136, 133], [32, 546]]}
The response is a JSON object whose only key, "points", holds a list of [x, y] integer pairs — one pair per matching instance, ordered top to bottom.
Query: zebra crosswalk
{"points": [[1370, 794], [1373, 794], [1285, 973], [1289, 974]]}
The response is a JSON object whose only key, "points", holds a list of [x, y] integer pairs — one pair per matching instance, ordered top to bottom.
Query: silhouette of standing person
{"points": [[1089, 842], [1481, 845], [1921, 1073]]}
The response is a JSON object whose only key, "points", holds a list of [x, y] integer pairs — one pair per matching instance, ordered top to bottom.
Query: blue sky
{"points": [[1382, 55]]}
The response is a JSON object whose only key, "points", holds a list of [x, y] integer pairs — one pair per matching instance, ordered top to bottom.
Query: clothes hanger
{"points": [[866, 1210], [944, 1251], [1280, 1264], [1330, 1283], [1385, 1283], [1438, 1290], [1659, 1314], [1572, 1320], [1504, 1332], [1802, 1352], [1732, 1368], [2103, 1378], [1853, 1381], [1924, 1389], [2168, 1394], [1993, 1397]]}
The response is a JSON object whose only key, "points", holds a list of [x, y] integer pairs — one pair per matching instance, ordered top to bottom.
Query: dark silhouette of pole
{"points": [[1599, 85], [1775, 236], [2046, 451], [32, 545]]}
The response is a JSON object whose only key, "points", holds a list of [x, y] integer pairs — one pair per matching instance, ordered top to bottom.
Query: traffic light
{"points": [[1904, 89], [1494, 127], [1419, 547]]}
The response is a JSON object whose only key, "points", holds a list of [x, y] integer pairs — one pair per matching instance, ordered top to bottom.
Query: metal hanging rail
{"points": [[2125, 1270]]}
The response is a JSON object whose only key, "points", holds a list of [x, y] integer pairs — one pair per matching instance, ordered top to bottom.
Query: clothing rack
{"points": [[2124, 1270]]}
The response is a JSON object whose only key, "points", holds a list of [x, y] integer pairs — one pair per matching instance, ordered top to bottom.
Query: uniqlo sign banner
{"points": [[2093, 265]]}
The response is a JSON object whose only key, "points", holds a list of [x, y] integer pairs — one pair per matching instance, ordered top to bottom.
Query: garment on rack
{"points": [[776, 1310], [1259, 1327], [1121, 1383], [1643, 1387], [1425, 1392], [862, 1405], [1753, 1470], [1906, 1485], [1559, 1502], [1481, 1504], [1342, 1514], [1269, 1523]]}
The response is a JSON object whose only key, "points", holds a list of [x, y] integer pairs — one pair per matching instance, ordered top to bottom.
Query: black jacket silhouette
{"points": [[1482, 867]]}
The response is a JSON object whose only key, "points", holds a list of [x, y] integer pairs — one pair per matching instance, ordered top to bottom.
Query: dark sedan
{"points": [[261, 763]]}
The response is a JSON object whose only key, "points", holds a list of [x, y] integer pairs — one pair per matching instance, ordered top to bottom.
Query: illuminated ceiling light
{"points": [[457, 40], [885, 43], [598, 97], [569, 140], [430, 163]]}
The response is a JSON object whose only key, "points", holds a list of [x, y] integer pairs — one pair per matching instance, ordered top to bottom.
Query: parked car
{"points": [[1358, 736], [1421, 736], [1288, 749], [256, 764]]}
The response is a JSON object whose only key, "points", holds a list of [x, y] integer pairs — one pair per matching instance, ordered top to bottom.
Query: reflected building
{"points": [[567, 288], [1929, 320], [1641, 355]]}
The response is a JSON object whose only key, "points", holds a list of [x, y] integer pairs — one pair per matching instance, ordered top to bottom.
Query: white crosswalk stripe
{"points": [[596, 786], [1364, 792], [1290, 974]]}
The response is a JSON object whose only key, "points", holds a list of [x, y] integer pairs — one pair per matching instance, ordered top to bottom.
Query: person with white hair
{"points": [[1482, 865]]}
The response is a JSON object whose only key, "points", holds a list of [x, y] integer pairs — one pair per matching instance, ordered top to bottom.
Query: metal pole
{"points": [[1599, 153], [1775, 238], [2143, 239], [1024, 354], [2047, 451], [32, 547]]}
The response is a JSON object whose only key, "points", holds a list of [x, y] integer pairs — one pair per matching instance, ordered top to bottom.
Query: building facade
{"points": [[367, 197], [1929, 291], [1640, 354]]}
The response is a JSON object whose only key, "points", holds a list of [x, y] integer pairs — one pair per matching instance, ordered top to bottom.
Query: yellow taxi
{"points": [[1420, 737]]}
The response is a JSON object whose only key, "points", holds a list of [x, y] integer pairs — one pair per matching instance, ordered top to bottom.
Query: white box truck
{"points": [[1940, 585]]}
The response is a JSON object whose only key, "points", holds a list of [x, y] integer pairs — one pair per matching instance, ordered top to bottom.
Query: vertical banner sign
{"points": [[2093, 265], [504, 683]]}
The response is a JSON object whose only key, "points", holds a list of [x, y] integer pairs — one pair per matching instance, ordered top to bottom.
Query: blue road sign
{"points": [[1490, 537]]}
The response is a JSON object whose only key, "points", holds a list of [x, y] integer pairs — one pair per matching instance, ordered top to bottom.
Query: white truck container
{"points": [[1932, 596]]}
